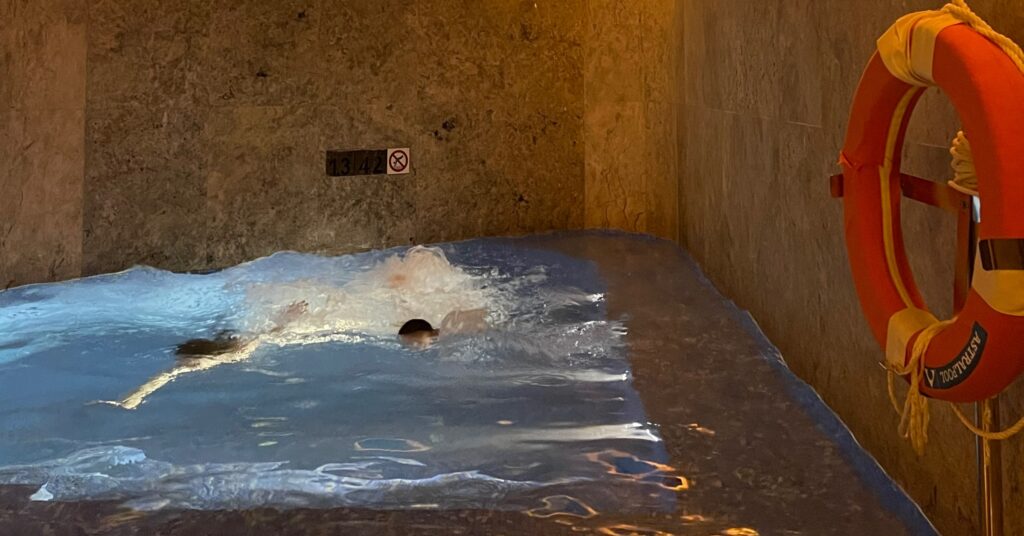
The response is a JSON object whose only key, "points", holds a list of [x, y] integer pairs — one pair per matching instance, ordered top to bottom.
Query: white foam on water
{"points": [[421, 283]]}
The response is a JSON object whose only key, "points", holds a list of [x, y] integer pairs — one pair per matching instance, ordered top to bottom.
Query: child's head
{"points": [[417, 332]]}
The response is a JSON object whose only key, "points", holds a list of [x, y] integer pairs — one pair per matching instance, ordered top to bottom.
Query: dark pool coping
{"points": [[892, 496]]}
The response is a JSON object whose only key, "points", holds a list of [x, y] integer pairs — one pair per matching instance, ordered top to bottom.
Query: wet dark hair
{"points": [[415, 325], [226, 341]]}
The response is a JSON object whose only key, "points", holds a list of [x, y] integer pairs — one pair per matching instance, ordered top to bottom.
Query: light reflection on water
{"points": [[536, 413], [630, 530]]}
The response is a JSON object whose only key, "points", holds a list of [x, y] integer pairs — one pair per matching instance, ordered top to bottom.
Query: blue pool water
{"points": [[534, 412]]}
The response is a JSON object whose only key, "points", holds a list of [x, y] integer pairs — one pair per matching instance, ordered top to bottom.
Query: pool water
{"points": [[534, 412]]}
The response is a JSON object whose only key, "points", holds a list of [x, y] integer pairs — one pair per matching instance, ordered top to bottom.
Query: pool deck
{"points": [[762, 454]]}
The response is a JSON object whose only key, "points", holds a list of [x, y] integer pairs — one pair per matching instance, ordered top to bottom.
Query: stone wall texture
{"points": [[766, 92], [631, 96], [207, 125], [188, 134], [42, 139]]}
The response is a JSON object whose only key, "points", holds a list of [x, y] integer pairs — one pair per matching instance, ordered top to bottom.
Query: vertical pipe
{"points": [[990, 463], [990, 470]]}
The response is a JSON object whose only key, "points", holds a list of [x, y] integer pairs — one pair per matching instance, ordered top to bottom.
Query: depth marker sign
{"points": [[397, 161]]}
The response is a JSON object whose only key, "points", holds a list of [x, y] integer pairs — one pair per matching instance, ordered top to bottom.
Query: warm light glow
{"points": [[698, 428], [629, 466], [562, 505], [630, 530], [740, 532]]}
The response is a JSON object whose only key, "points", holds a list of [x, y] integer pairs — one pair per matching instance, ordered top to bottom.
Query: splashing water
{"points": [[422, 283], [328, 409]]}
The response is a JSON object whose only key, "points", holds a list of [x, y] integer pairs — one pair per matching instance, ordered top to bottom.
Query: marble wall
{"points": [[766, 93], [631, 97], [207, 125], [187, 134], [42, 139]]}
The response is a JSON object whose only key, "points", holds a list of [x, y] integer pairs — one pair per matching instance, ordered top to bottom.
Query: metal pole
{"points": [[967, 209], [990, 461], [990, 470]]}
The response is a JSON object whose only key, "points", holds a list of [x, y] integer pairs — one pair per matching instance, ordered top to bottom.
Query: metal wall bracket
{"points": [[835, 185]]}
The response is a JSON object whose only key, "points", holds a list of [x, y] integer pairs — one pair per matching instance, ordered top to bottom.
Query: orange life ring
{"points": [[982, 351]]}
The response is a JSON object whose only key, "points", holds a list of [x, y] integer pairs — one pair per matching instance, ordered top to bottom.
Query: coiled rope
{"points": [[964, 178], [914, 414]]}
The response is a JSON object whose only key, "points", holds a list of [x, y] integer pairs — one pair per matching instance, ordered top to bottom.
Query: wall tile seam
{"points": [[68, 108], [771, 118], [646, 179], [76, 271]]}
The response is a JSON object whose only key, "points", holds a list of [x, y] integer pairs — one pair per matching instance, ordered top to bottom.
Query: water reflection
{"points": [[700, 429], [385, 444], [629, 466], [562, 505], [631, 530]]}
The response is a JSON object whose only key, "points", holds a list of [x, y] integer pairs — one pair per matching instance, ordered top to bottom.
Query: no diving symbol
{"points": [[398, 161]]}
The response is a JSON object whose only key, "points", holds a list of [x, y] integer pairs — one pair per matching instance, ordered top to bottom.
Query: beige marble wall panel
{"points": [[17, 12], [659, 49], [370, 51], [138, 53], [255, 53], [42, 55], [614, 55], [799, 85], [767, 90], [42, 96], [242, 100], [201, 117], [630, 118], [502, 121], [499, 173], [662, 175], [263, 176], [616, 185], [144, 192], [144, 195], [41, 207]]}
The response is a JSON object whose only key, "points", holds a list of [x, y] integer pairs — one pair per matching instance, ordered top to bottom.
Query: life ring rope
{"points": [[960, 10], [964, 178], [914, 413]]}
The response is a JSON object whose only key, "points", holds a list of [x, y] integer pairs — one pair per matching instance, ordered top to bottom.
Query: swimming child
{"points": [[422, 278], [419, 333], [195, 355]]}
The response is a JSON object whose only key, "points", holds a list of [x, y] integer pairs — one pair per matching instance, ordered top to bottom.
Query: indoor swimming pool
{"points": [[602, 385]]}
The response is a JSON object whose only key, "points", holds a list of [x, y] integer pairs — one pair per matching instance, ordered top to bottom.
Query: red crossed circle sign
{"points": [[398, 160]]}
